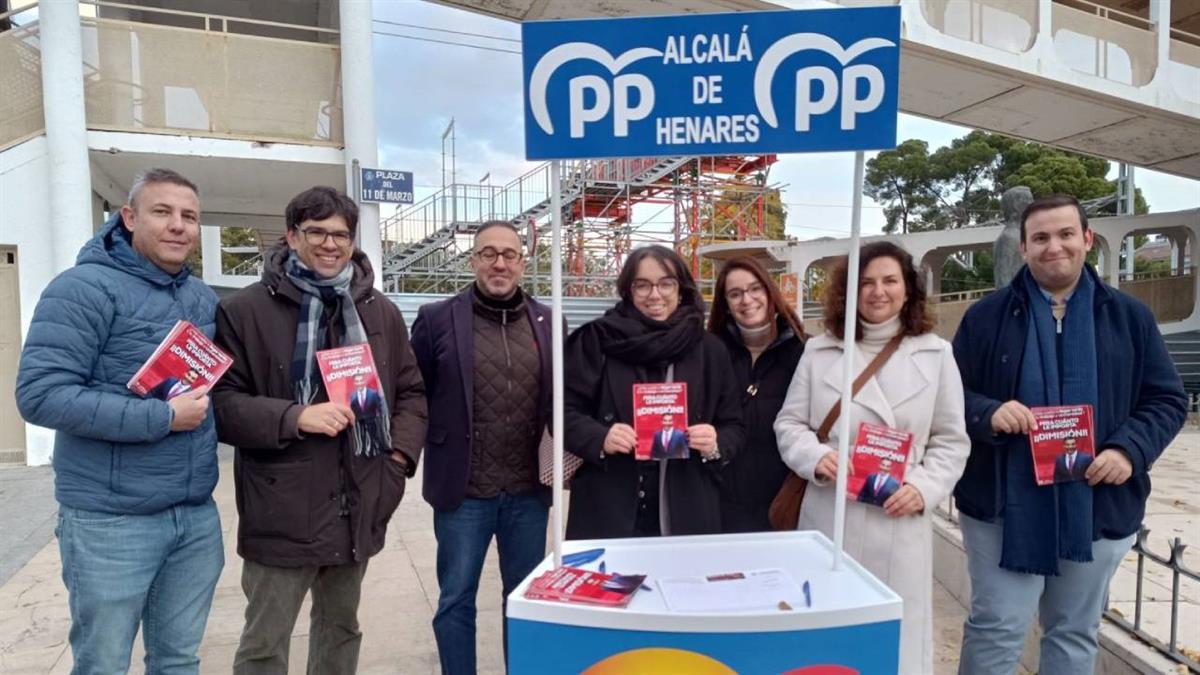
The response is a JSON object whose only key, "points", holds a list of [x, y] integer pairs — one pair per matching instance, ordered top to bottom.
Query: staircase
{"points": [[431, 236], [1185, 351]]}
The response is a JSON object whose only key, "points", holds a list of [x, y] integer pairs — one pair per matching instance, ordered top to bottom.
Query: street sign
{"points": [[706, 84], [383, 185]]}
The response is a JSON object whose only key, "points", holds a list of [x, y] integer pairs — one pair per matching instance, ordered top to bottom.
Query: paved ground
{"points": [[27, 515], [398, 606]]}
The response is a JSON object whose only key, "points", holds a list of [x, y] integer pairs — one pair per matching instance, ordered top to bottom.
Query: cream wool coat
{"points": [[918, 390]]}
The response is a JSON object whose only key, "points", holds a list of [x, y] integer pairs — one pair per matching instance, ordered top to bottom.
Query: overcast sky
{"points": [[422, 84]]}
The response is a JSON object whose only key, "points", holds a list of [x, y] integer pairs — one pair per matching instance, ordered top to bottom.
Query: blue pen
{"points": [[582, 557], [807, 594]]}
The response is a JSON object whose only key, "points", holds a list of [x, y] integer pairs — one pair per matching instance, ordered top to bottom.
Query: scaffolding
{"points": [[609, 207]]}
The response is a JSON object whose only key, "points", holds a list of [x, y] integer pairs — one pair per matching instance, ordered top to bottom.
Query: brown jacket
{"points": [[289, 484]]}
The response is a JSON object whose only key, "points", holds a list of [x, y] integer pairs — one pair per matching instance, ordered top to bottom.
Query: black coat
{"points": [[599, 394], [754, 477], [289, 485]]}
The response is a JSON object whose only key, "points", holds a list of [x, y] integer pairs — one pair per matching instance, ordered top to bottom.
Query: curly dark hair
{"points": [[914, 318]]}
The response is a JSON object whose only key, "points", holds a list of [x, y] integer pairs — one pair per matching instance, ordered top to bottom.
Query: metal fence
{"points": [[1173, 562], [1179, 572]]}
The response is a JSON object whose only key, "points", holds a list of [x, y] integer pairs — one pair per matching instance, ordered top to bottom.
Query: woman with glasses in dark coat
{"points": [[654, 334], [765, 339]]}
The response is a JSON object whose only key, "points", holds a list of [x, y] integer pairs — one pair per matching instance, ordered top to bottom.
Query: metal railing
{"points": [[218, 22], [184, 73], [21, 114], [430, 238], [251, 266], [1173, 562]]}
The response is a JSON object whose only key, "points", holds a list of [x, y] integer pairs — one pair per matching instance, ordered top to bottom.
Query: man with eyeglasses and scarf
{"points": [[485, 359], [315, 492]]}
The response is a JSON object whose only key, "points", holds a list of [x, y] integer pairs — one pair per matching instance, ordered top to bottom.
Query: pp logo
{"points": [[831, 87], [617, 98]]}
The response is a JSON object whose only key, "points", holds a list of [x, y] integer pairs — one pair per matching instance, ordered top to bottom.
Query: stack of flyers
{"points": [[571, 584]]}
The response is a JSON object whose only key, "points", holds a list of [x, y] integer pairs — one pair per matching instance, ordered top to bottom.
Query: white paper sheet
{"points": [[742, 591]]}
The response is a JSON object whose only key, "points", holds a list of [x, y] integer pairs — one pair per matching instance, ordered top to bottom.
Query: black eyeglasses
{"points": [[316, 236], [489, 255], [665, 286], [734, 295]]}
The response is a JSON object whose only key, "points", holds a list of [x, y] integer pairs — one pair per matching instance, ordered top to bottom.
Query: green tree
{"points": [[960, 173], [900, 180], [959, 185]]}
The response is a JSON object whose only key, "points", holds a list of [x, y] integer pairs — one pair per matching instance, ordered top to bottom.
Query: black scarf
{"points": [[630, 336], [649, 346]]}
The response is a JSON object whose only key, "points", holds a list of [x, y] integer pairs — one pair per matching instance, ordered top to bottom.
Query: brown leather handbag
{"points": [[784, 512]]}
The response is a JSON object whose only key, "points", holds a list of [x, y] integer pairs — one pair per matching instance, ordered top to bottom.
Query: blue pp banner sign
{"points": [[709, 84], [385, 185]]}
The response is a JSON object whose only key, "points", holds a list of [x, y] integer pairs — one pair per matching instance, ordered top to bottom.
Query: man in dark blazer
{"points": [[485, 358], [170, 387], [364, 401], [367, 406], [669, 442], [1070, 464], [879, 485]]}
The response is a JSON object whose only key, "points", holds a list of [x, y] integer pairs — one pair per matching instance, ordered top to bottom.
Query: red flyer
{"points": [[185, 360], [350, 378], [660, 420], [1063, 444], [879, 458], [571, 584]]}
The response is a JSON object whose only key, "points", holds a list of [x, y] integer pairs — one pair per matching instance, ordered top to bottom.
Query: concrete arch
{"points": [[1182, 225]]}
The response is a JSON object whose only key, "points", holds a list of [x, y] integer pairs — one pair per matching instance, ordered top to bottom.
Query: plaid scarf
{"points": [[371, 436]]}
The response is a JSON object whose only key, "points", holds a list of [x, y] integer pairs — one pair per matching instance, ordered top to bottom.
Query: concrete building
{"points": [[248, 99]]}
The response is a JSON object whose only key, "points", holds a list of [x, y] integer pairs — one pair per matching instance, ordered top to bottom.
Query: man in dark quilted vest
{"points": [[485, 358]]}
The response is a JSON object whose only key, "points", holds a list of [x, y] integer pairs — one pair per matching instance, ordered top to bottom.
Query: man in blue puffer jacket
{"points": [[138, 531]]}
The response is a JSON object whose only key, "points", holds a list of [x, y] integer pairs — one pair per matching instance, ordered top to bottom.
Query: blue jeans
{"points": [[463, 535], [157, 570], [1003, 603]]}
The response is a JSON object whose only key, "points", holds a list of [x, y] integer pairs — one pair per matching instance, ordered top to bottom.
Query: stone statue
{"points": [[1007, 249]]}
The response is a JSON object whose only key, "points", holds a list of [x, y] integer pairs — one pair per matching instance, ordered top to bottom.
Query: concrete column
{"points": [[1160, 14], [358, 110], [69, 175], [1178, 248], [210, 252], [1112, 263], [933, 274]]}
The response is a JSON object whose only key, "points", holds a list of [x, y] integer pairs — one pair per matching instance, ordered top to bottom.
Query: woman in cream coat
{"points": [[918, 390]]}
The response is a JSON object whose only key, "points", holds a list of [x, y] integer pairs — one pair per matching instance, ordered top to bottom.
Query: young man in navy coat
{"points": [[1057, 335], [485, 358]]}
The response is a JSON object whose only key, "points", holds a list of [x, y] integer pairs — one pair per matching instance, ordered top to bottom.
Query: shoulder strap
{"points": [[867, 373]]}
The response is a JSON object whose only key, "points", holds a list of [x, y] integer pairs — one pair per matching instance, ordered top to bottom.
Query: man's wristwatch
{"points": [[716, 454]]}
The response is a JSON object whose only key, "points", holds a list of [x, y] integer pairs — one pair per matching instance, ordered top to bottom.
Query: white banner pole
{"points": [[556, 351], [848, 370]]}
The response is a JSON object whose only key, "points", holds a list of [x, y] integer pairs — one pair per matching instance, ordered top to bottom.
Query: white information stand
{"points": [[852, 625]]}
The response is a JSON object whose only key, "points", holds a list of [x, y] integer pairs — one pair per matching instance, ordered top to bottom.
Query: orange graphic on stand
{"points": [[659, 661]]}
